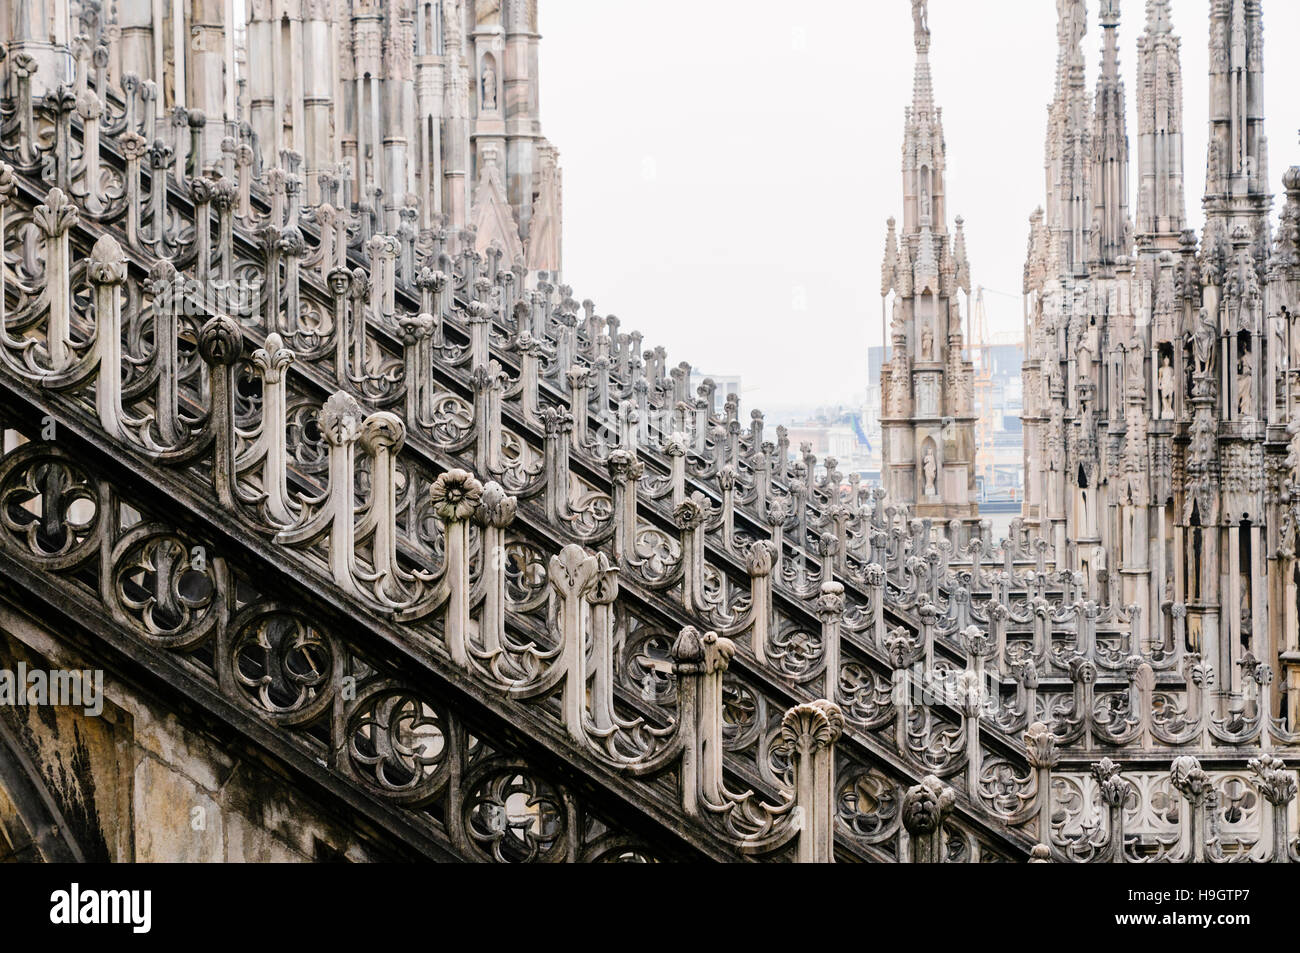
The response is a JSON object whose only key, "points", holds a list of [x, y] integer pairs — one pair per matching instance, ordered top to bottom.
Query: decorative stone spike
{"points": [[810, 731]]}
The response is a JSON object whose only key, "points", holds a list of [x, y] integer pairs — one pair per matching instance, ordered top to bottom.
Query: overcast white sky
{"points": [[729, 164]]}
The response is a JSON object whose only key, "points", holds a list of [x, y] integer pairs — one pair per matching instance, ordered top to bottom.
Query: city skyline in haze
{"points": [[730, 166]]}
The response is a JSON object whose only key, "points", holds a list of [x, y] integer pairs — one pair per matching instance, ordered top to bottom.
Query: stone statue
{"points": [[920, 19], [1073, 22], [489, 99], [1213, 162], [927, 344], [1203, 344], [1277, 350], [1135, 369], [1165, 384], [1245, 387], [898, 388], [927, 395], [929, 470], [1286, 532]]}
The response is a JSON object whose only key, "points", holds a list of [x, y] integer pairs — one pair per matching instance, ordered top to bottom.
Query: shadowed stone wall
{"points": [[139, 782]]}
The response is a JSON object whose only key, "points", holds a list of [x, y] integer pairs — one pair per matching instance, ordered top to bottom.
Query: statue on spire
{"points": [[1158, 16], [921, 23], [1073, 24]]}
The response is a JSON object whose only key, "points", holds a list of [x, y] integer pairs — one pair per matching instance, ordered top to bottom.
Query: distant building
{"points": [[726, 383], [841, 432], [999, 436], [833, 440]]}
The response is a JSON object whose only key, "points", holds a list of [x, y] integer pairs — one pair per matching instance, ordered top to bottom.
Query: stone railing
{"points": [[528, 498]]}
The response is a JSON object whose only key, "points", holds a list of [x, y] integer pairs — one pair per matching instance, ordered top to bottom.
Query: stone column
{"points": [[136, 20], [42, 31], [180, 53], [293, 63], [158, 72], [206, 79], [264, 113], [522, 129], [317, 142], [54, 219], [106, 271], [220, 344], [272, 363], [340, 425], [382, 437], [456, 496], [495, 515], [1180, 564], [570, 574], [1211, 585], [1159, 594], [601, 596], [829, 607], [1290, 629], [1262, 641], [1230, 647], [699, 662], [810, 731], [1040, 744], [1278, 786], [1197, 789], [1115, 791]]}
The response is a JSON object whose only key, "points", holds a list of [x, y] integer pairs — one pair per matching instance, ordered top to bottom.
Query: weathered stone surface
{"points": [[389, 548]]}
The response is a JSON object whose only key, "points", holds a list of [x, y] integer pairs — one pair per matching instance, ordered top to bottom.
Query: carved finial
{"points": [[8, 183], [57, 215], [107, 264], [220, 341], [272, 359], [340, 418], [383, 430], [456, 495], [497, 509], [604, 584], [687, 648], [812, 725], [1040, 744], [1191, 780], [1275, 782], [1113, 788], [926, 805]]}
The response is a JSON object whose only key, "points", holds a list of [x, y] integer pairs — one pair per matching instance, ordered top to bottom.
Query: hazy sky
{"points": [[729, 164]]}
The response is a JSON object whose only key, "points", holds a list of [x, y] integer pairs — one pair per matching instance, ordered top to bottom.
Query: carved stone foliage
{"points": [[386, 495], [396, 742]]}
